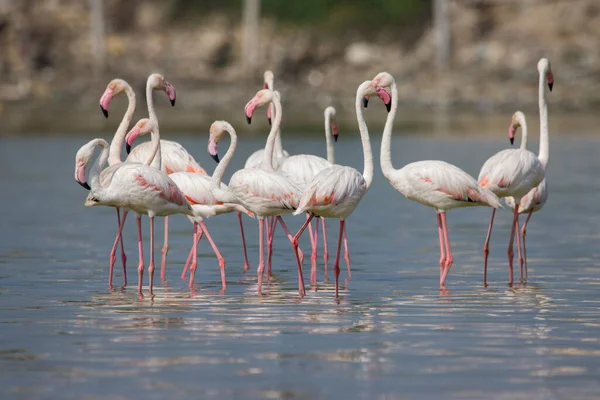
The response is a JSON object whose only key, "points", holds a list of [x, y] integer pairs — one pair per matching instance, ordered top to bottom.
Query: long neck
{"points": [[150, 101], [523, 124], [328, 141], [544, 141], [366, 143], [116, 146], [278, 150], [268, 155], [385, 157], [155, 159], [99, 164], [215, 184]]}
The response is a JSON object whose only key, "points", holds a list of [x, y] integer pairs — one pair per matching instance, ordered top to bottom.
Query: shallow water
{"points": [[391, 335]]}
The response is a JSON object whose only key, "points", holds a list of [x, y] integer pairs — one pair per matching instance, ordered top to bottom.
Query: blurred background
{"points": [[470, 63]]}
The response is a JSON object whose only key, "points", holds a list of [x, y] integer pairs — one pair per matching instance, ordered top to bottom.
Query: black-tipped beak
{"points": [[550, 85], [172, 102], [365, 102], [388, 106], [104, 111], [248, 119], [268, 119], [335, 138], [512, 141], [127, 147], [215, 157], [85, 185]]}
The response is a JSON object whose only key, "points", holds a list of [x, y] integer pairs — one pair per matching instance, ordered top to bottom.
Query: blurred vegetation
{"points": [[364, 15]]}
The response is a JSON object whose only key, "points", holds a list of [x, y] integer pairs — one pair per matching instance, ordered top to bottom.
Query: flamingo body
{"points": [[175, 157], [255, 159], [302, 168], [533, 201]]}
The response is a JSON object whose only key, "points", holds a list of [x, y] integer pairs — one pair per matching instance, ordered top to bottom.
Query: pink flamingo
{"points": [[514, 172], [433, 183], [137, 187], [262, 191], [336, 191]]}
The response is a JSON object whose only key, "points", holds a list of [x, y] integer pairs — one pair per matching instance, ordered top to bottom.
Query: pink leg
{"points": [[524, 232], [270, 235], [442, 245], [486, 248], [165, 250], [325, 250], [113, 251], [510, 251], [519, 251], [346, 253], [218, 254], [194, 256], [141, 257], [313, 257], [449, 258], [189, 259], [299, 259], [261, 260], [151, 264], [246, 264], [336, 265]]}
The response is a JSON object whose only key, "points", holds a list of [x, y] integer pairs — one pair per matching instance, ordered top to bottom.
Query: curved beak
{"points": [[550, 79], [170, 91], [385, 96], [105, 101], [365, 101], [249, 110], [269, 113], [334, 131], [511, 134], [131, 136], [512, 140], [213, 149], [80, 175]]}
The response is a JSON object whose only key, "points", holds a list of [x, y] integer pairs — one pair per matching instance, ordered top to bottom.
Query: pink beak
{"points": [[550, 79], [170, 91], [385, 96], [105, 101], [249, 110], [269, 113], [335, 131], [511, 133], [131, 136], [213, 149], [80, 175]]}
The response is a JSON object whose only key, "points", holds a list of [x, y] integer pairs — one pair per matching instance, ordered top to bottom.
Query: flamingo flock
{"points": [[161, 178]]}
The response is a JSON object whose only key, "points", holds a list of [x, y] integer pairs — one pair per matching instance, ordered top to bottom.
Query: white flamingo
{"points": [[514, 172], [433, 183], [137, 187], [262, 191], [336, 191]]}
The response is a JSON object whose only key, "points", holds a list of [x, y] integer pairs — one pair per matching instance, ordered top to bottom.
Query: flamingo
{"points": [[514, 172], [433, 183], [135, 186], [262, 191], [336, 191]]}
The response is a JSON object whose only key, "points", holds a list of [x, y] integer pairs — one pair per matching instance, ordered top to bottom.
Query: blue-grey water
{"points": [[391, 335]]}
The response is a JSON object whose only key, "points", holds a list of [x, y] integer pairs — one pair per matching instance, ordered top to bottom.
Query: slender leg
{"points": [[524, 232], [270, 235], [442, 245], [486, 248], [165, 250], [325, 250], [519, 250], [113, 251], [511, 252], [346, 253], [218, 254], [194, 256], [141, 257], [313, 257], [299, 258], [449, 258], [189, 259], [261, 260], [151, 264], [246, 264], [336, 265]]}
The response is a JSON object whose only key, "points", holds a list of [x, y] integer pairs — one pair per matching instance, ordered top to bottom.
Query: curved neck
{"points": [[150, 101], [523, 124], [364, 136], [328, 141], [544, 145], [116, 146], [268, 155], [385, 157], [155, 159], [99, 164], [215, 183]]}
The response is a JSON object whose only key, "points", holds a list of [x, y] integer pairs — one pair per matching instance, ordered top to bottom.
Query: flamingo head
{"points": [[545, 69], [158, 82], [380, 83], [114, 88], [262, 97], [330, 117], [516, 123], [142, 127], [216, 132], [82, 159]]}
